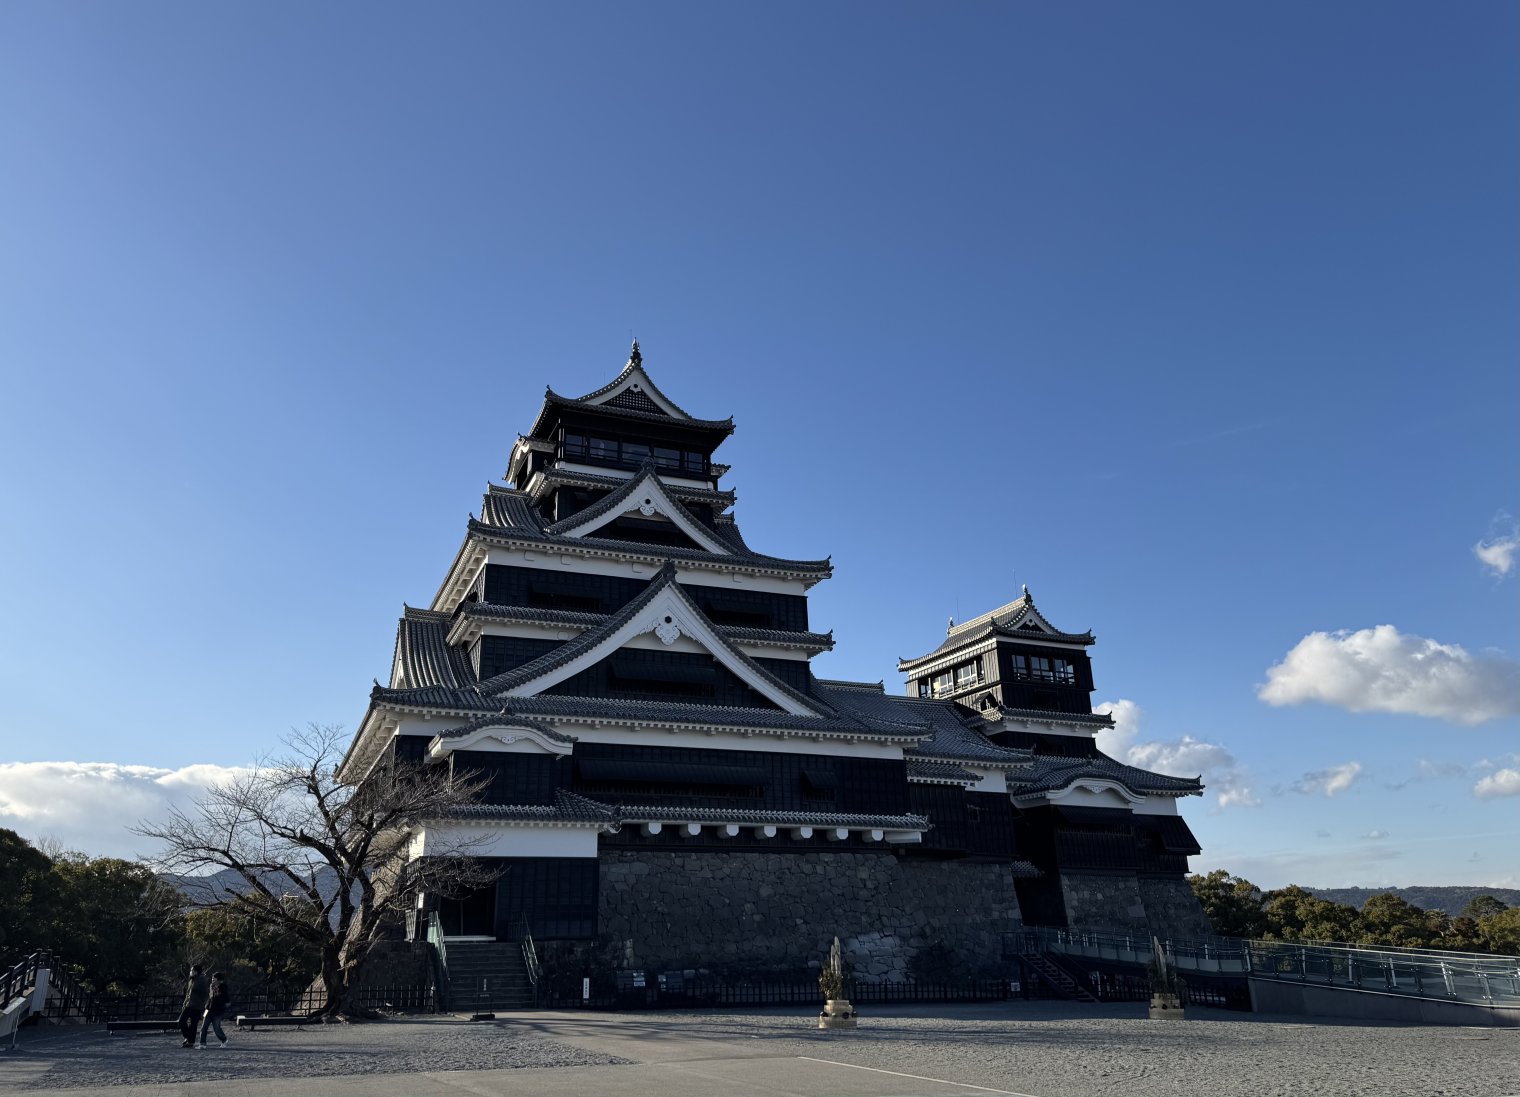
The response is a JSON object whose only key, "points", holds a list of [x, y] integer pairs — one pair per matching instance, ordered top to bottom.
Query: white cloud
{"points": [[1498, 552], [1498, 556], [1383, 670], [1115, 741], [1185, 757], [1329, 781], [1503, 782], [90, 806], [1376, 835]]}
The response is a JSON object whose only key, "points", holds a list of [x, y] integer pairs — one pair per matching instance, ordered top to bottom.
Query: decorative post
{"points": [[1166, 994], [837, 1011]]}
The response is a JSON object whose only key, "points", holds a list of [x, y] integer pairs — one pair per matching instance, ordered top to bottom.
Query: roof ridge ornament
{"points": [[635, 357]]}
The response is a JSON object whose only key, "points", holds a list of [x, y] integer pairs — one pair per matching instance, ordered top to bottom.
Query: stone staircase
{"points": [[485, 976], [1060, 981]]}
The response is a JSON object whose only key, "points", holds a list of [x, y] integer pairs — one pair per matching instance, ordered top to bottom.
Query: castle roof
{"points": [[631, 395], [559, 477], [511, 515], [1018, 620], [423, 656], [951, 736], [1052, 773]]}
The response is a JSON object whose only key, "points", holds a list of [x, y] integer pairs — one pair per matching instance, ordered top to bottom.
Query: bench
{"points": [[251, 1021], [142, 1026]]}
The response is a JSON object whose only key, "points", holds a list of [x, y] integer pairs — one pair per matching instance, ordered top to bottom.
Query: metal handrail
{"points": [[530, 957], [1459, 976]]}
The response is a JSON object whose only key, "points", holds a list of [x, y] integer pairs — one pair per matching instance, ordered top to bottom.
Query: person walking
{"points": [[197, 990], [216, 1005]]}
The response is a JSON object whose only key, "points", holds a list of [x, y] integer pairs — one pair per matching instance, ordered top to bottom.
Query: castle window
{"points": [[575, 445], [603, 449], [635, 453], [667, 458], [695, 462], [1040, 668], [960, 677], [923, 687]]}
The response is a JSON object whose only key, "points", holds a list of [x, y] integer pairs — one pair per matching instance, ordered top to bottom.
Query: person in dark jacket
{"points": [[197, 990], [216, 1005]]}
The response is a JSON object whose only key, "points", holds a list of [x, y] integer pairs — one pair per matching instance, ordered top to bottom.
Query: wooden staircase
{"points": [[485, 976], [1058, 979]]}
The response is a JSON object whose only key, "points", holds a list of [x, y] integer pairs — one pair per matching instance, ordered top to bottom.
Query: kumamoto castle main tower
{"points": [[667, 775]]}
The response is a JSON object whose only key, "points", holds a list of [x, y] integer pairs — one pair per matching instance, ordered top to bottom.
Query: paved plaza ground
{"points": [[1036, 1049]]}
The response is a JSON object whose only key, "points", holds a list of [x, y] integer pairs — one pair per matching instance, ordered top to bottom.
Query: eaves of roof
{"points": [[553, 400], [552, 477], [606, 546], [487, 611], [1052, 773]]}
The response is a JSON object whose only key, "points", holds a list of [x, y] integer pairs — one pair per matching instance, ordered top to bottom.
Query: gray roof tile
{"points": [[555, 477], [743, 555], [1005, 621], [423, 655], [506, 718], [952, 738], [940, 773], [568, 807]]}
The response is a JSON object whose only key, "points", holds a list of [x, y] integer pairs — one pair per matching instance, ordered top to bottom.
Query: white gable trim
{"points": [[634, 379], [648, 498], [669, 617], [498, 739], [1086, 792]]}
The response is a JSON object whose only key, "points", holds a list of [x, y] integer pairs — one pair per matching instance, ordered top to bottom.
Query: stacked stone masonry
{"points": [[1146, 904], [773, 912]]}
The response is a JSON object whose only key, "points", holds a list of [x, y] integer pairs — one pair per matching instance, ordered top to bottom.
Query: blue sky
{"points": [[1197, 318]]}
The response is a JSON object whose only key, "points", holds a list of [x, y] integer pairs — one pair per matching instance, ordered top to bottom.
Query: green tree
{"points": [[28, 897], [1233, 905], [1482, 906], [1297, 914], [1389, 920], [117, 923], [1501, 932], [252, 953]]}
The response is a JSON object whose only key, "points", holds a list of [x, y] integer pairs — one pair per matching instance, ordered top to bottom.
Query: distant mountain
{"points": [[1450, 899]]}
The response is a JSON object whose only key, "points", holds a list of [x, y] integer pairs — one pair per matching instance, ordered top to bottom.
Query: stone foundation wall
{"points": [[1103, 902], [1172, 908], [778, 913], [394, 963]]}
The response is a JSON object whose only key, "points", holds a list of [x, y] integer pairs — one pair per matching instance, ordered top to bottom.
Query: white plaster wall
{"points": [[504, 841]]}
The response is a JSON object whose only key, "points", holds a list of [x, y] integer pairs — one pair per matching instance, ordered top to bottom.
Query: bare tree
{"points": [[325, 859]]}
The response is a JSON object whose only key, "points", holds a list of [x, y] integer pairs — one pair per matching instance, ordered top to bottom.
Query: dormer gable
{"points": [[634, 390], [644, 497], [665, 618], [501, 733]]}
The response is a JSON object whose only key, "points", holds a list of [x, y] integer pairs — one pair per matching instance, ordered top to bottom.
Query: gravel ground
{"points": [[1047, 1049], [1054, 1050], [88, 1058]]}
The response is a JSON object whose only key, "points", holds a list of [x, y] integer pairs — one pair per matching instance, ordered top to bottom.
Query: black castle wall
{"points": [[507, 585]]}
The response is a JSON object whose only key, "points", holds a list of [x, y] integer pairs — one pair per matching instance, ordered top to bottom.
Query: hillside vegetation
{"points": [[1449, 900], [1238, 908]]}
